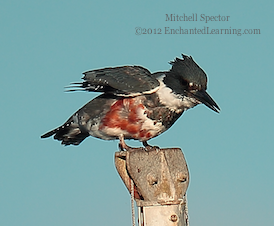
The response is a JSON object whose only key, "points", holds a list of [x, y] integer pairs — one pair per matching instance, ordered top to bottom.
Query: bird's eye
{"points": [[193, 86]]}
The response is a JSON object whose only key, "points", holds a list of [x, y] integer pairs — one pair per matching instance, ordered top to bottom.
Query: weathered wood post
{"points": [[160, 178]]}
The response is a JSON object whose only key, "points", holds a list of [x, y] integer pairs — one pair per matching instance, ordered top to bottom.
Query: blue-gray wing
{"points": [[122, 81]]}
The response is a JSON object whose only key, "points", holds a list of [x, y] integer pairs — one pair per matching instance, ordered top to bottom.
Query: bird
{"points": [[135, 103]]}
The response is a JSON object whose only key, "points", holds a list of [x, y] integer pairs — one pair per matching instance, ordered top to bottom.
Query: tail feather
{"points": [[50, 133], [69, 133]]}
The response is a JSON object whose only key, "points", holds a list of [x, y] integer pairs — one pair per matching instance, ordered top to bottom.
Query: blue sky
{"points": [[45, 45]]}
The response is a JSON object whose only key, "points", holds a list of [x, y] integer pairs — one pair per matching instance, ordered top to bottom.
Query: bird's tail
{"points": [[69, 133]]}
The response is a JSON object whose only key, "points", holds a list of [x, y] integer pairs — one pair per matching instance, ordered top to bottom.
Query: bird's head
{"points": [[186, 78]]}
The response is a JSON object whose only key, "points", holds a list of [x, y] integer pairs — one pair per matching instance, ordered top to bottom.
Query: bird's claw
{"points": [[124, 147], [149, 147]]}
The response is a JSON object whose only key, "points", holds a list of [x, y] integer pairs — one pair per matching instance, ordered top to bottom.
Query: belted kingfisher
{"points": [[135, 103]]}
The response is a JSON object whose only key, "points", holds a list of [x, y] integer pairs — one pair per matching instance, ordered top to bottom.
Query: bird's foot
{"points": [[123, 146], [149, 147]]}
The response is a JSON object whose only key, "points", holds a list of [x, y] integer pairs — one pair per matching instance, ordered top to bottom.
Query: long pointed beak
{"points": [[204, 97]]}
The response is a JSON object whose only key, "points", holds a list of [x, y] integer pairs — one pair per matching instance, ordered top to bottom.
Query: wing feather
{"points": [[122, 81]]}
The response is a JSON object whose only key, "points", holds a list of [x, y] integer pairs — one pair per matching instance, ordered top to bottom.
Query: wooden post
{"points": [[160, 179]]}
